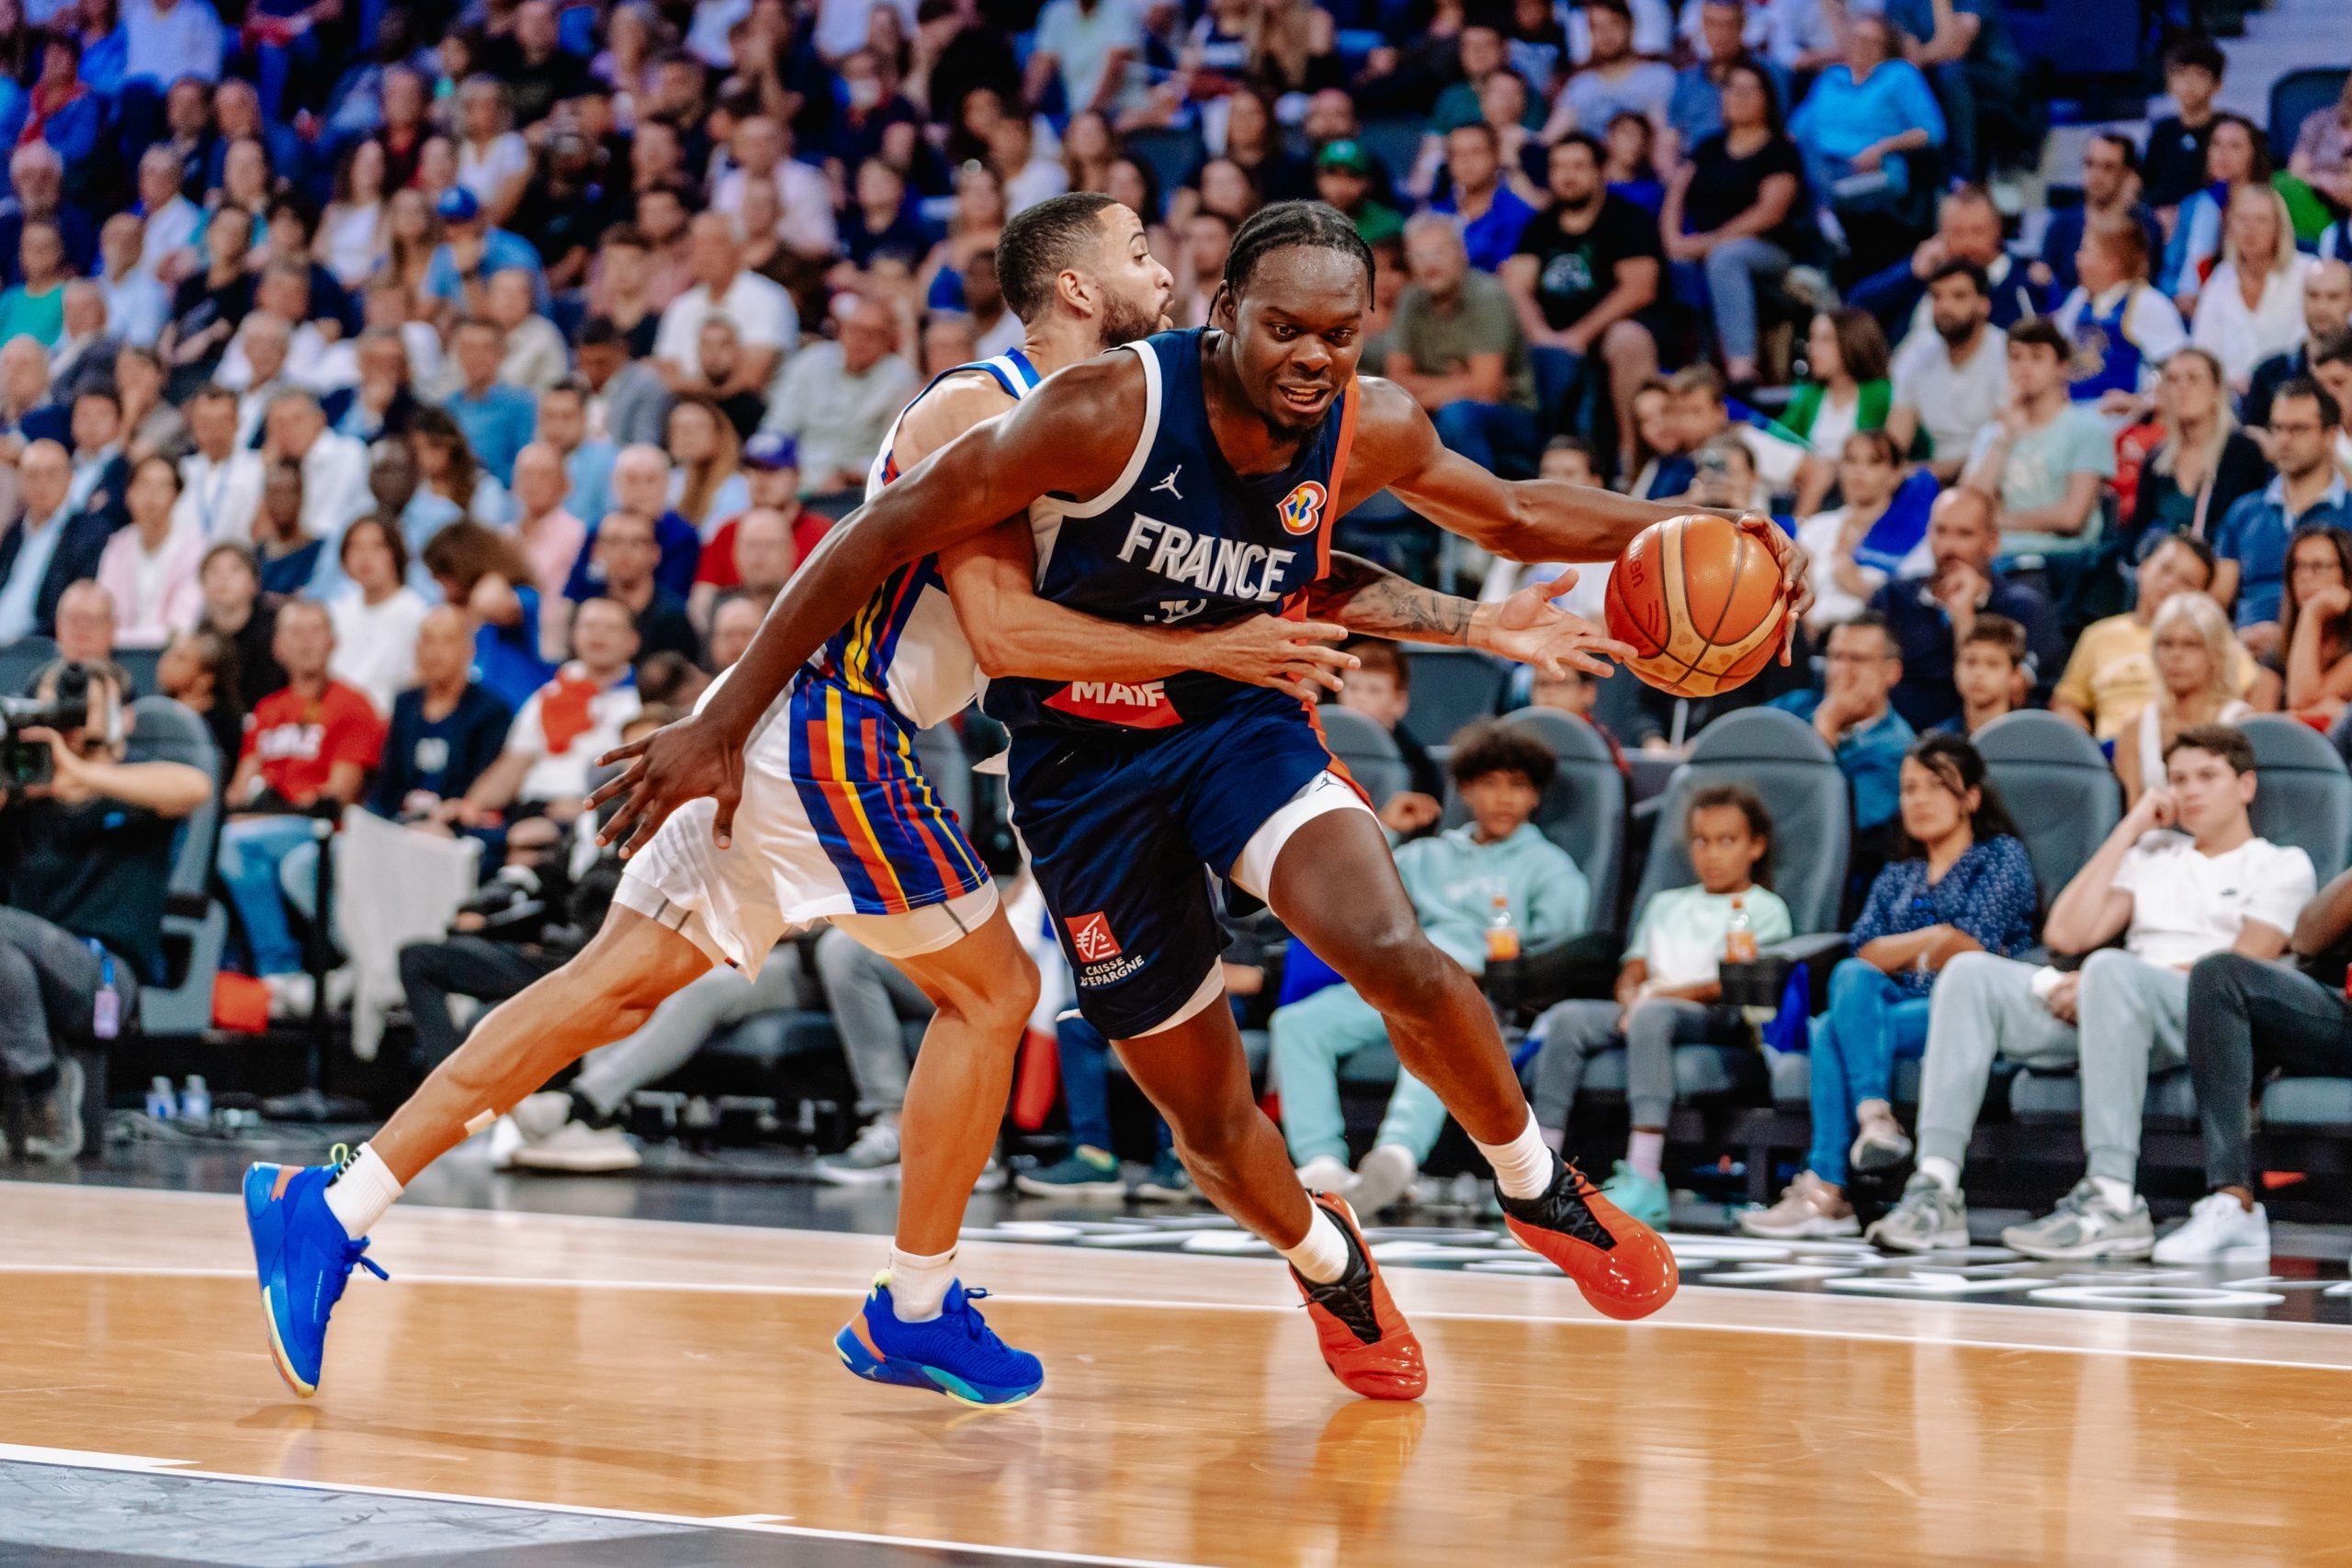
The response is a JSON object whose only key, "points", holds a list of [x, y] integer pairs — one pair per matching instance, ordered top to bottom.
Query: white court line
{"points": [[1423, 1313], [754, 1523]]}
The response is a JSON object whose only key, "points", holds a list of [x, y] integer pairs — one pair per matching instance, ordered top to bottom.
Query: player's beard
{"points": [[1125, 321]]}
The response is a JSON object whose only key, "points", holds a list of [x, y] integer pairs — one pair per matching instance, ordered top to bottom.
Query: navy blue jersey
{"points": [[1179, 537]]}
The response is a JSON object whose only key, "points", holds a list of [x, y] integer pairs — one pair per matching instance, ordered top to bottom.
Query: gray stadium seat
{"points": [[2294, 99], [21, 660], [141, 664], [1451, 687], [1369, 751], [1779, 756], [2058, 786], [2303, 795], [1584, 809], [196, 925], [2042, 1095], [2308, 1102]]}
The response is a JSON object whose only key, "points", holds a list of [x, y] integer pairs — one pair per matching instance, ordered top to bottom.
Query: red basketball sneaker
{"points": [[1624, 1269], [1365, 1341]]}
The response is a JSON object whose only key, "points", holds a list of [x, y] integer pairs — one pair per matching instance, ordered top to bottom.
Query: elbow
{"points": [[991, 653]]}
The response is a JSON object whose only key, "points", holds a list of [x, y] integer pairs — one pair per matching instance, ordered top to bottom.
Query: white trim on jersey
{"points": [[1046, 514]]}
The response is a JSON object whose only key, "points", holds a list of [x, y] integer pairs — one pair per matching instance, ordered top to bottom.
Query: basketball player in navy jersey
{"points": [[1193, 478], [841, 824]]}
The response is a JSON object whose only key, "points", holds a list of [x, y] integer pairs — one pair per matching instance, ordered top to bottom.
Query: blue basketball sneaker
{"points": [[304, 1259], [956, 1353]]}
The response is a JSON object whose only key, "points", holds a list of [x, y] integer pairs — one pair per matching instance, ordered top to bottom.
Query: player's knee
{"points": [[997, 1012], [1211, 1137]]}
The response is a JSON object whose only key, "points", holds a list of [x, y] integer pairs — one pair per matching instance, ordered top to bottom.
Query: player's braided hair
{"points": [[1314, 224], [1039, 243]]}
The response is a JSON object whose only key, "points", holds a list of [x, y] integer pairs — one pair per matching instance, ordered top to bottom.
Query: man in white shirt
{"points": [[1093, 47], [762, 150], [137, 305], [762, 313], [314, 357], [1949, 380], [837, 398], [335, 467], [221, 481], [551, 751], [2182, 876]]}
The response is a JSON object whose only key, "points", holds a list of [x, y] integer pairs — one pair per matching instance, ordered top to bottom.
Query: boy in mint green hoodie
{"points": [[1456, 881]]}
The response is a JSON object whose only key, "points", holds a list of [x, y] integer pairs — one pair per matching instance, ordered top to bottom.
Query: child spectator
{"points": [[2174, 165], [2044, 457], [1990, 674], [1458, 880], [1960, 883], [1668, 990]]}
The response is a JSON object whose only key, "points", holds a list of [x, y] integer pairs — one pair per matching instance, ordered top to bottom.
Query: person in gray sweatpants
{"points": [[2182, 876], [869, 998]]}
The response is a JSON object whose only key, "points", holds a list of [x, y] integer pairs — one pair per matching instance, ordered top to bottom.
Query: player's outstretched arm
{"points": [[1071, 436], [1398, 449], [990, 580], [1527, 627]]}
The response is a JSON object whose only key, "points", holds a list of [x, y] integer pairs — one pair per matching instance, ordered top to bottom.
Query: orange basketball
{"points": [[1700, 600]]}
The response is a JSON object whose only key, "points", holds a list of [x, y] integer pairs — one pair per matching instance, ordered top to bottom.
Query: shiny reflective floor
{"points": [[676, 1384]]}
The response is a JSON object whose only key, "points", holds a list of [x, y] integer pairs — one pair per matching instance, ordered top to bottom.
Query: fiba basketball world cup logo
{"points": [[1302, 509]]}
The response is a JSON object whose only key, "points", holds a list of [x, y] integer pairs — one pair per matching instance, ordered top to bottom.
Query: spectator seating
{"points": [[2294, 99], [1168, 154], [21, 660], [140, 664], [1452, 687], [1369, 751], [1779, 756], [2058, 788], [2304, 797], [195, 924], [792, 1055]]}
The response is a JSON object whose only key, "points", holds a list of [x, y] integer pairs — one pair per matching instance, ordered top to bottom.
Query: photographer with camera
{"points": [[85, 856]]}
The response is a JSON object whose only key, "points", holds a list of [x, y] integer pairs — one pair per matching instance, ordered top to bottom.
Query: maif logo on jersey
{"points": [[1302, 510], [1091, 935]]}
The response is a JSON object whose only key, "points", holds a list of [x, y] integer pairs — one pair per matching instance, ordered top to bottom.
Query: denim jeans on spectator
{"points": [[1732, 272], [1502, 438], [251, 852], [49, 991], [867, 997], [2247, 1020], [1870, 1026], [1311, 1037], [1085, 1087]]}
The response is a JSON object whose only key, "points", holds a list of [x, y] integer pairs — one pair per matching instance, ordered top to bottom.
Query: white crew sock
{"points": [[1646, 1152], [1523, 1165], [1944, 1173], [361, 1191], [2119, 1194], [1321, 1255], [919, 1284]]}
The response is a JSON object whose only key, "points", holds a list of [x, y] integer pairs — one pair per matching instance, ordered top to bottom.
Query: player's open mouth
{"points": [[1306, 399]]}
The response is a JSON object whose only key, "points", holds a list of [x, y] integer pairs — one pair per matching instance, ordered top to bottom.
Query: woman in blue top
{"points": [[1861, 116], [1960, 883]]}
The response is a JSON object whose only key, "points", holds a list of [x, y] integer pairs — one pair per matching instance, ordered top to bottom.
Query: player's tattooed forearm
{"points": [[1375, 601]]}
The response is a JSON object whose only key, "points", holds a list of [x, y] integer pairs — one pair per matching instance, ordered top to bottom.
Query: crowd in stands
{"points": [[427, 401]]}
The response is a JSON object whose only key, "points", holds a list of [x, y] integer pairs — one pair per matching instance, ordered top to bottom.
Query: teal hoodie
{"points": [[1453, 880]]}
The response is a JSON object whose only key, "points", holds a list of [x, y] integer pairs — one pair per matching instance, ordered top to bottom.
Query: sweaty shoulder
{"points": [[1083, 420], [1392, 435]]}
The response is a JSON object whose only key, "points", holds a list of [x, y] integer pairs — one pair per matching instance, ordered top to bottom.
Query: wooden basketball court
{"points": [[673, 1376]]}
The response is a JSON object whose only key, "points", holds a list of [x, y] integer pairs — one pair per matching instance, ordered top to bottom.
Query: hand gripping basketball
{"points": [[1706, 601]]}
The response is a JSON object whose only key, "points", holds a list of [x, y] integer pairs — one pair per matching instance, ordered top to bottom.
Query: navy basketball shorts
{"points": [[1124, 826]]}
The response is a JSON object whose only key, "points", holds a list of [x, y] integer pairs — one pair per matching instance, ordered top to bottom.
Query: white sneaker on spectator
{"points": [[291, 995], [534, 1117], [53, 1124], [581, 1150], [871, 1159], [1324, 1174], [1386, 1175], [992, 1178], [1809, 1208], [1930, 1217], [2084, 1225], [2220, 1230]]}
